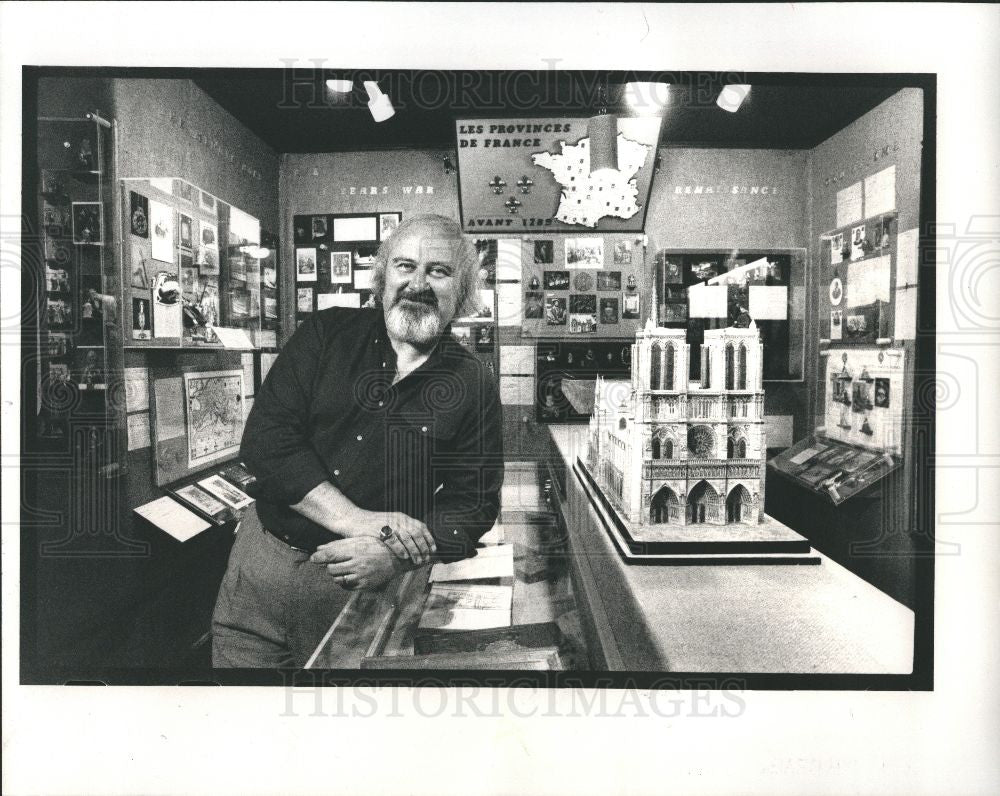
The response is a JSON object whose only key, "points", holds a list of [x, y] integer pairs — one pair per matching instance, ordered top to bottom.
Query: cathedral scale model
{"points": [[676, 468]]}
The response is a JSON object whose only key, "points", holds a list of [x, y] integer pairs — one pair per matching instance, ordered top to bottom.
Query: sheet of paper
{"points": [[880, 192], [849, 204], [244, 227], [351, 229], [161, 231], [907, 257], [509, 258], [363, 278], [868, 281], [326, 300], [708, 301], [768, 302], [509, 304], [906, 313], [166, 318], [233, 337], [267, 338], [517, 360], [247, 361], [136, 389], [517, 390], [169, 397], [138, 431], [803, 456], [170, 516], [489, 562], [467, 606]]}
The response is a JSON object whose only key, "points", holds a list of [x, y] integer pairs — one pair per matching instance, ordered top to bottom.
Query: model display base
{"points": [[769, 542]]}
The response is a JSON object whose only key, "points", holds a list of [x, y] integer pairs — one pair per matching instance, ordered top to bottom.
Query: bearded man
{"points": [[376, 444]]}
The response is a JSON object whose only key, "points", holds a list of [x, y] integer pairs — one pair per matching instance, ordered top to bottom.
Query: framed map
{"points": [[214, 407]]}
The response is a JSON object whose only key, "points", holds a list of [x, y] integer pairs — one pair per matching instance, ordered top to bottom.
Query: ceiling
{"points": [[293, 112]]}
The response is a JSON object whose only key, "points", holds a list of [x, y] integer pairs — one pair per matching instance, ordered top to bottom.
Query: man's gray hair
{"points": [[465, 259]]}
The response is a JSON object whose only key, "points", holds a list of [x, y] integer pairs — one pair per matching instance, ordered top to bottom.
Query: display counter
{"points": [[722, 618]]}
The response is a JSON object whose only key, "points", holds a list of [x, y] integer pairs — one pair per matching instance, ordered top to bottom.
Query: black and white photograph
{"points": [[630, 412]]}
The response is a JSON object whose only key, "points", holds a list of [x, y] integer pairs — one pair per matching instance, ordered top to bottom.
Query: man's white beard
{"points": [[417, 324]]}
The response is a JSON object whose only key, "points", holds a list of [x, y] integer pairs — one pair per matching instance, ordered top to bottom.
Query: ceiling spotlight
{"points": [[340, 86], [732, 96], [647, 98], [378, 103]]}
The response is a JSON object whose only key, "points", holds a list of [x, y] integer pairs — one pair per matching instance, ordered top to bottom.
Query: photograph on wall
{"points": [[207, 202], [139, 214], [87, 222], [161, 223], [387, 223], [320, 226], [186, 227], [886, 232], [209, 236], [858, 242], [837, 249], [543, 252], [584, 252], [623, 252], [208, 261], [305, 265], [340, 268], [706, 270], [672, 272], [56, 280], [556, 280], [609, 280], [189, 283], [304, 299], [486, 299], [583, 303], [534, 305], [270, 306], [630, 306], [555, 310], [609, 310], [673, 313], [141, 318], [582, 322], [836, 324], [857, 326], [464, 335], [484, 338], [89, 369], [882, 393], [214, 412]]}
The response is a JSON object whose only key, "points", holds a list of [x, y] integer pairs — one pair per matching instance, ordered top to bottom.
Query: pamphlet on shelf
{"points": [[233, 337], [171, 517], [467, 606]]}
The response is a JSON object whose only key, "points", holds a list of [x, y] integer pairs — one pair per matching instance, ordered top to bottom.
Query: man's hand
{"points": [[411, 541], [358, 563]]}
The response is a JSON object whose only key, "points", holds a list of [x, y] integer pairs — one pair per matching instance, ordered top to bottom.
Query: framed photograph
{"points": [[184, 190], [207, 202], [139, 214], [161, 222], [87, 223], [387, 223], [320, 226], [186, 227], [886, 227], [355, 228], [209, 236], [858, 242], [837, 249], [543, 252], [584, 252], [623, 252], [208, 261], [305, 265], [340, 268], [705, 270], [672, 272], [56, 280], [556, 280], [609, 280], [304, 299], [583, 303], [534, 305], [630, 306], [270, 307], [555, 310], [609, 310], [674, 313], [141, 318], [582, 322], [836, 324], [464, 335], [484, 338], [89, 367], [882, 393], [223, 490], [203, 503]]}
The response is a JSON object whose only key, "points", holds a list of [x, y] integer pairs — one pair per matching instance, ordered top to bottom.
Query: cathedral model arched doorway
{"points": [[703, 504], [738, 505], [664, 507]]}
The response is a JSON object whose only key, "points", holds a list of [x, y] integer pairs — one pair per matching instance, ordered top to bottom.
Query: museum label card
{"points": [[880, 192], [849, 204], [161, 224], [352, 229], [907, 253], [509, 259], [362, 278], [868, 282], [326, 300], [708, 301], [768, 302], [509, 308], [906, 314], [517, 360], [136, 389], [517, 390], [138, 431], [170, 516], [489, 562]]}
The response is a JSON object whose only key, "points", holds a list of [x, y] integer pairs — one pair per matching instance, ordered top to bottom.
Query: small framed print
{"points": [[207, 202], [139, 214], [87, 223], [387, 223], [320, 226], [186, 227], [209, 235], [858, 242], [837, 249], [543, 252], [584, 252], [623, 252], [208, 261], [305, 265], [340, 268], [672, 272], [556, 280], [609, 280], [674, 293], [304, 299], [579, 304], [534, 305], [630, 306], [555, 310], [609, 310], [674, 313], [141, 318], [582, 322], [836, 324], [484, 338], [882, 393], [230, 495], [208, 506]]}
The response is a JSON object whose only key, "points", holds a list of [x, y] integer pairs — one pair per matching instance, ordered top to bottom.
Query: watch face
{"points": [[583, 282]]}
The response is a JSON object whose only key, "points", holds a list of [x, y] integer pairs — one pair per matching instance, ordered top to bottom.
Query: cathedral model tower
{"points": [[669, 452]]}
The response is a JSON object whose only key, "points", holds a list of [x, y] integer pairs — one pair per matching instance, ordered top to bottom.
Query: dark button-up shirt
{"points": [[429, 446]]}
